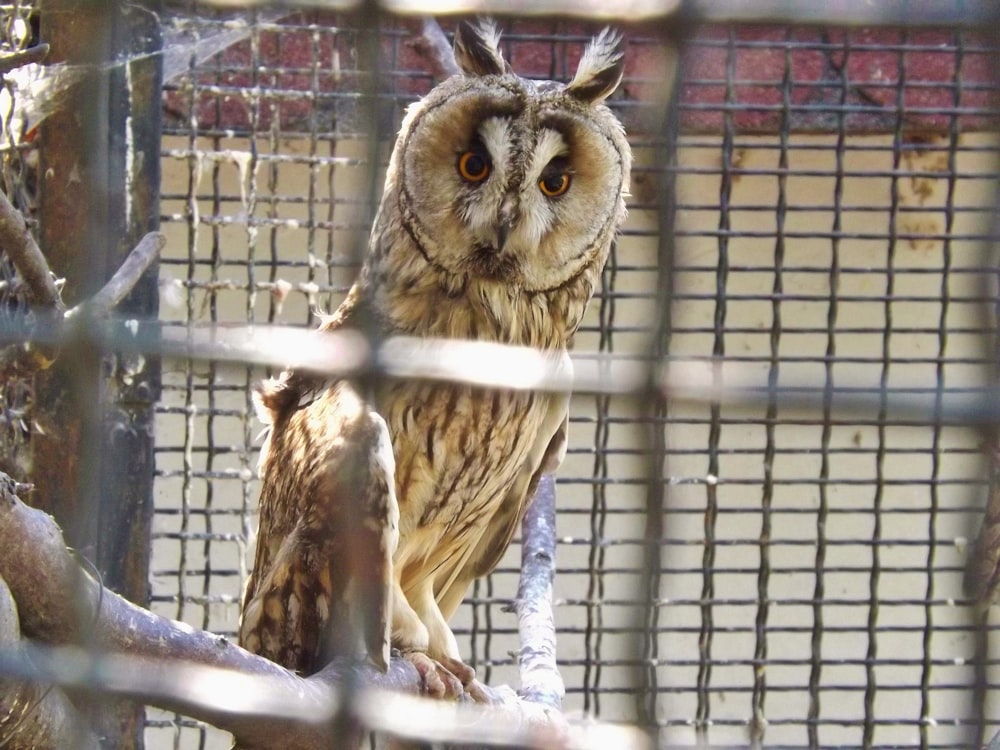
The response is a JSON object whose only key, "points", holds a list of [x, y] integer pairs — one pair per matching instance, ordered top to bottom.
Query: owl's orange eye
{"points": [[473, 166], [554, 185]]}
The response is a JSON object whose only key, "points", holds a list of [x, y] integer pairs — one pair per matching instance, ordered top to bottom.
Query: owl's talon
{"points": [[460, 669], [435, 679], [478, 691], [481, 693]]}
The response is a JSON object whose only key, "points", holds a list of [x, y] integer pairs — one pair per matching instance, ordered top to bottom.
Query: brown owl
{"points": [[501, 203]]}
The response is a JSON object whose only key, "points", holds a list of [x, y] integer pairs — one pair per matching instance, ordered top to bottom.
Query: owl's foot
{"points": [[435, 679], [478, 691]]}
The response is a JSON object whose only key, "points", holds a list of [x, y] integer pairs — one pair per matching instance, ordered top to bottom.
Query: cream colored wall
{"points": [[739, 487]]}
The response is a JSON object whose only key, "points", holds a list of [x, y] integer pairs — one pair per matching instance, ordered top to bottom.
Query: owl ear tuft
{"points": [[477, 48], [601, 68]]}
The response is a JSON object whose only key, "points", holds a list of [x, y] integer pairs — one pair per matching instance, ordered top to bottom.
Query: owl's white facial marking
{"points": [[549, 158], [479, 201], [510, 211]]}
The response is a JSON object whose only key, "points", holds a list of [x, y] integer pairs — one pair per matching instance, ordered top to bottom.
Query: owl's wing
{"points": [[322, 574]]}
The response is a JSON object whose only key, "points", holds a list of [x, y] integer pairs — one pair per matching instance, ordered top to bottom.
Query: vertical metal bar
{"points": [[371, 64], [989, 289], [93, 456], [822, 512], [650, 598], [707, 630], [594, 633], [927, 640], [871, 653], [982, 717], [758, 721]]}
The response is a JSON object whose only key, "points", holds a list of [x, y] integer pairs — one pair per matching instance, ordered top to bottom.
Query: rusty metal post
{"points": [[92, 452]]}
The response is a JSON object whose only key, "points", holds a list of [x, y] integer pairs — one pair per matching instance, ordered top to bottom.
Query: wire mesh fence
{"points": [[832, 193]]}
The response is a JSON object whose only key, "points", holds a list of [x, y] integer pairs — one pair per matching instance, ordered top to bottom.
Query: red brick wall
{"points": [[864, 80]]}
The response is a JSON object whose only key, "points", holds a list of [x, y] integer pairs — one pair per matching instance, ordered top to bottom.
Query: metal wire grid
{"points": [[819, 578], [810, 591]]}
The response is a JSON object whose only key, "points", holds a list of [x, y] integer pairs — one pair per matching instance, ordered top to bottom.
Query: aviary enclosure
{"points": [[775, 525]]}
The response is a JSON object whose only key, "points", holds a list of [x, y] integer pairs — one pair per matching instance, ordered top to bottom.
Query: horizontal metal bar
{"points": [[931, 13], [348, 354]]}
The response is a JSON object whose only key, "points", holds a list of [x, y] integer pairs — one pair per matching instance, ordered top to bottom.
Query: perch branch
{"points": [[433, 45], [16, 241], [126, 277], [168, 664], [540, 678]]}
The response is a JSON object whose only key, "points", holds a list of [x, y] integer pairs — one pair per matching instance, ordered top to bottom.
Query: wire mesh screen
{"points": [[834, 193]]}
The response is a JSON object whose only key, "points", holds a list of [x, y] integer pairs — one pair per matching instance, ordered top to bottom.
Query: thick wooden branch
{"points": [[61, 604], [112, 645], [33, 715]]}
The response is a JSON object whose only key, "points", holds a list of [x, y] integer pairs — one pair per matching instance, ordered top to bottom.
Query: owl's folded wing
{"points": [[329, 520]]}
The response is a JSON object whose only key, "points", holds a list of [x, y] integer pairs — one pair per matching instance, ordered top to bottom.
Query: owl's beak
{"points": [[505, 222], [503, 231]]}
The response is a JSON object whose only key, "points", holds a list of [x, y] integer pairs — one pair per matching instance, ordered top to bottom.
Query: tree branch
{"points": [[433, 45], [23, 57], [20, 246], [126, 277], [134, 653], [540, 678], [34, 716]]}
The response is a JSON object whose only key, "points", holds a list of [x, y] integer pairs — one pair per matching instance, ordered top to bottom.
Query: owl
{"points": [[381, 502]]}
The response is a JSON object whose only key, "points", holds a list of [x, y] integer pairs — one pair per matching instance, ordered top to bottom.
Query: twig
{"points": [[434, 46], [23, 57], [16, 241], [126, 277], [170, 665], [540, 678]]}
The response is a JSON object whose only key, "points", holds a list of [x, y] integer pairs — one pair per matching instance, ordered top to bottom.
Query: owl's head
{"points": [[502, 179]]}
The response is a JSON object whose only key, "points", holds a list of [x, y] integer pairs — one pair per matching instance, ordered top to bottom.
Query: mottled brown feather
{"points": [[328, 524]]}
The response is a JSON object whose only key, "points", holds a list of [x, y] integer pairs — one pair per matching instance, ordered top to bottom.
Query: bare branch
{"points": [[434, 46], [23, 57], [18, 243], [20, 246], [126, 277], [161, 662], [540, 678]]}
